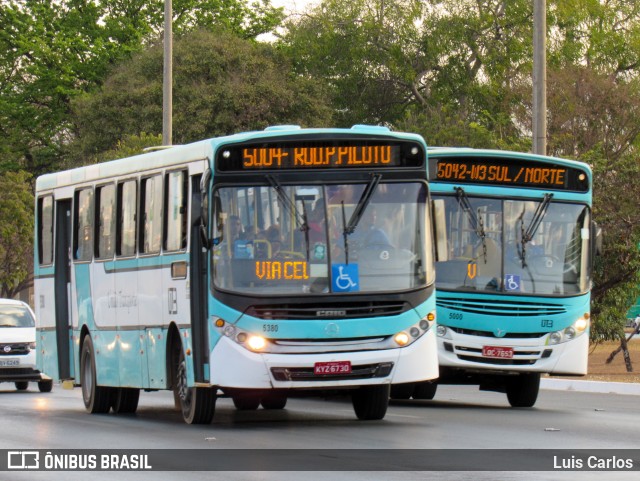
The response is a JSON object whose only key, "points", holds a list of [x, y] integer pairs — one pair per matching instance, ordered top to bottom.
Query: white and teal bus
{"points": [[255, 266], [513, 273]]}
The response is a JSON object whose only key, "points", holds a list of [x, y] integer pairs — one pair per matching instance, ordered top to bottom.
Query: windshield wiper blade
{"points": [[365, 198], [290, 206], [476, 223], [349, 227], [527, 235]]}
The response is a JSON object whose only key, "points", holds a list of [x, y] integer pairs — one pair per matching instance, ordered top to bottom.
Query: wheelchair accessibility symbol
{"points": [[345, 277], [512, 283]]}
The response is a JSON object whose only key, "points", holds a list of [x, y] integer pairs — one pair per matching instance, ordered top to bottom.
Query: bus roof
{"points": [[201, 150], [471, 152]]}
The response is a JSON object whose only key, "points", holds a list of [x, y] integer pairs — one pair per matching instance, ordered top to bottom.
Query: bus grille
{"points": [[500, 307], [329, 310], [508, 335], [499, 362], [367, 371]]}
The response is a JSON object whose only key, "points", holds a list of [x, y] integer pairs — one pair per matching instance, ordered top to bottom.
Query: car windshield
{"points": [[288, 239], [515, 246], [15, 316]]}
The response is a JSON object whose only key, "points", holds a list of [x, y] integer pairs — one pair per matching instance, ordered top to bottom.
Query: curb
{"points": [[628, 388]]}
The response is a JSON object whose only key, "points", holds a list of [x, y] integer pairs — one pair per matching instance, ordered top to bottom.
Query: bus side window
{"points": [[152, 204], [126, 220], [106, 222], [175, 222], [84, 225], [45, 230]]}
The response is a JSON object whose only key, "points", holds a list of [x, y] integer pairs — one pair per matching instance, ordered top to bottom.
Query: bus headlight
{"points": [[441, 330], [415, 332], [569, 333], [555, 337], [402, 338], [249, 341], [256, 343]]}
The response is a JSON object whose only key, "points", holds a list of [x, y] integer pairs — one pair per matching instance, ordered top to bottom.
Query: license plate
{"points": [[497, 352], [9, 362], [332, 368]]}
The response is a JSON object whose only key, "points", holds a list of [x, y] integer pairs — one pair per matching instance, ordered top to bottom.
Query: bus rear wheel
{"points": [[22, 385], [425, 390], [522, 390], [402, 391], [97, 399], [125, 400], [246, 401], [274, 401], [371, 402], [196, 403]]}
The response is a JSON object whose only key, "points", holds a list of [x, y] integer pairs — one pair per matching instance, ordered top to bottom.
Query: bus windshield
{"points": [[351, 238], [515, 246]]}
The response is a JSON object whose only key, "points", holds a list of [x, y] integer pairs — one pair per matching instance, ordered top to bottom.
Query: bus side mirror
{"points": [[440, 230], [596, 235]]}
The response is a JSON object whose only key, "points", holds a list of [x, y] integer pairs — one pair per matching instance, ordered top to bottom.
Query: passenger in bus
{"points": [[368, 233]]}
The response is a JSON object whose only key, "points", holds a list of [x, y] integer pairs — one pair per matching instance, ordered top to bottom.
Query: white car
{"points": [[18, 347]]}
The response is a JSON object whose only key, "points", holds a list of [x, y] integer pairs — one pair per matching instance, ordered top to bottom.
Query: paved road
{"points": [[459, 418]]}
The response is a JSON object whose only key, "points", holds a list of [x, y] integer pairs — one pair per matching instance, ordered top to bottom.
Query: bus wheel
{"points": [[22, 385], [45, 386], [425, 390], [522, 390], [402, 391], [97, 399], [125, 400], [246, 401], [274, 401], [371, 402], [196, 403]]}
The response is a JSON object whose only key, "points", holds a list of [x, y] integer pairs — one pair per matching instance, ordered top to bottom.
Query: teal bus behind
{"points": [[513, 273]]}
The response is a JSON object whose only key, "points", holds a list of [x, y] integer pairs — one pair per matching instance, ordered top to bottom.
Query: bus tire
{"points": [[22, 385], [45, 386], [425, 390], [522, 390], [402, 391], [97, 399], [125, 400], [246, 401], [274, 401], [371, 402], [196, 403]]}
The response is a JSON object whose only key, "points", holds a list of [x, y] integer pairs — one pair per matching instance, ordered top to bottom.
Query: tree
{"points": [[54, 51], [223, 85], [16, 233]]}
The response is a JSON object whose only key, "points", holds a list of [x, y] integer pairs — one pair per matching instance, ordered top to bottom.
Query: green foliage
{"points": [[53, 51], [222, 85], [129, 146], [16, 232], [617, 270]]}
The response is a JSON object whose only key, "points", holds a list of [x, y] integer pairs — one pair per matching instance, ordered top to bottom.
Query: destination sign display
{"points": [[320, 155], [508, 172]]}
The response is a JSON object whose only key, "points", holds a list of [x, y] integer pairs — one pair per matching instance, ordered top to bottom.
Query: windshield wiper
{"points": [[365, 198], [290, 206], [476, 223], [527, 235]]}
